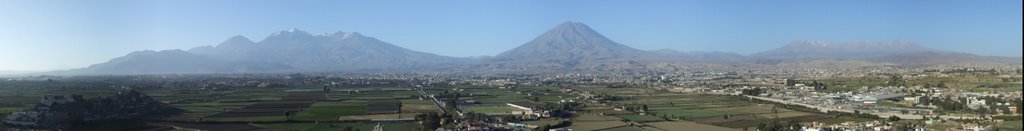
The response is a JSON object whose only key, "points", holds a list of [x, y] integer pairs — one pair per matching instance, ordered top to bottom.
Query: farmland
{"points": [[308, 104], [270, 108], [492, 109], [712, 111], [683, 125]]}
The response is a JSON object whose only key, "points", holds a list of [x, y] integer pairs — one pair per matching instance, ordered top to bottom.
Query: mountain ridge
{"points": [[568, 47]]}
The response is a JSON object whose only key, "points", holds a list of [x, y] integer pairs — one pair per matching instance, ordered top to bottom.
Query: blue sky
{"points": [[56, 34]]}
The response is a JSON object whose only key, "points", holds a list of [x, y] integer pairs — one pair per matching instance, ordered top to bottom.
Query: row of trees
{"points": [[753, 92], [430, 121], [775, 125]]}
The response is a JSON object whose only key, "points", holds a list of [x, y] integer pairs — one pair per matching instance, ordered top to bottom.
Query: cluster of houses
{"points": [[59, 111]]}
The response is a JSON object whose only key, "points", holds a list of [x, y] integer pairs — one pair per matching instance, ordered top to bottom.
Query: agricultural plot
{"points": [[372, 95], [500, 98], [293, 103], [382, 106], [210, 107], [268, 108], [420, 108], [492, 109], [325, 111], [611, 112], [696, 113], [786, 114], [379, 116], [594, 117], [642, 118], [247, 119], [841, 119], [753, 121], [543, 122], [596, 125], [1010, 125], [335, 126], [686, 126], [214, 127], [624, 128]]}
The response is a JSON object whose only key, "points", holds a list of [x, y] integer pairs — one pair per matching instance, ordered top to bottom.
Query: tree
{"points": [[896, 80], [752, 92], [725, 117], [894, 118], [429, 121], [794, 125], [545, 127], [347, 128]]}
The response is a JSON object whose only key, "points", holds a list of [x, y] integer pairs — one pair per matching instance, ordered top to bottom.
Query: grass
{"points": [[8, 110], [329, 113], [1011, 125], [944, 126]]}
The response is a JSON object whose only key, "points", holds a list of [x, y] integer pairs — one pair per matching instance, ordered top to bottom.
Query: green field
{"points": [[210, 107], [329, 111], [1011, 125], [336, 126]]}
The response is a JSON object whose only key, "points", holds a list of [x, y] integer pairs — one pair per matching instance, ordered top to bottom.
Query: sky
{"points": [[41, 35]]}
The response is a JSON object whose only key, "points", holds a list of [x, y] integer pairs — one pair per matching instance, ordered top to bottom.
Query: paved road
{"points": [[432, 98]]}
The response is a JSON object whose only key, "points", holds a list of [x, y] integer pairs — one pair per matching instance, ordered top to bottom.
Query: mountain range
{"points": [[569, 47]]}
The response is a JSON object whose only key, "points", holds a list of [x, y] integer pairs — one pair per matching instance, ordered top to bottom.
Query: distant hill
{"points": [[574, 46], [568, 47], [857, 49], [284, 51], [338, 51], [902, 52], [932, 58], [171, 62]]}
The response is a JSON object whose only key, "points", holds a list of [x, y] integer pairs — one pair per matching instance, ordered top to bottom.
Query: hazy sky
{"points": [[51, 34]]}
